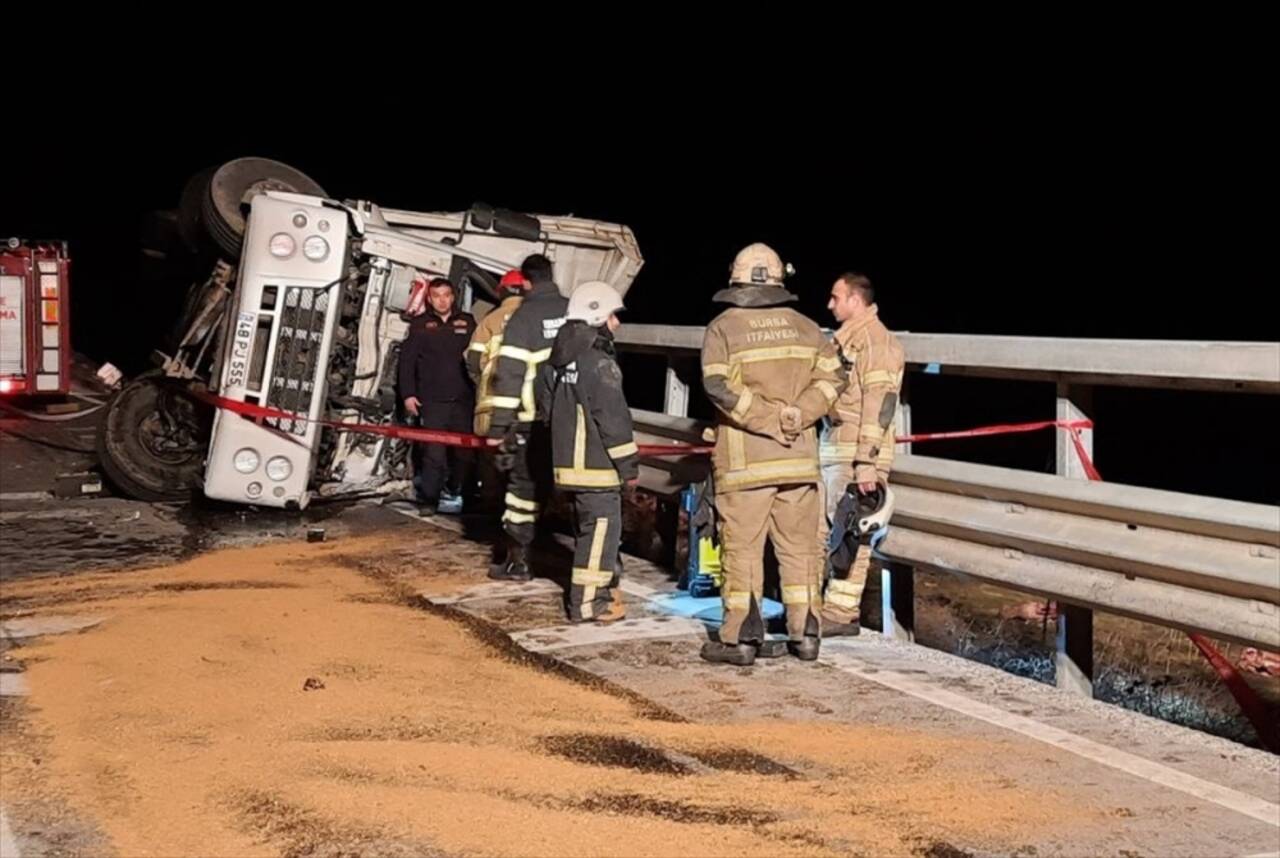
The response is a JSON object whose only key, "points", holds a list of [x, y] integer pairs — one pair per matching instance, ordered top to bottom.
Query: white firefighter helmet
{"points": [[757, 265], [593, 302], [875, 508]]}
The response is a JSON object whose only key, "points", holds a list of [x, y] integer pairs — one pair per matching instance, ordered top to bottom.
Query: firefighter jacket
{"points": [[526, 345], [482, 357], [756, 361], [861, 428], [593, 447]]}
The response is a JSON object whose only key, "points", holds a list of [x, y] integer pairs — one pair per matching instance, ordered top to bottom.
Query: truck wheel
{"points": [[232, 186], [190, 206], [153, 439]]}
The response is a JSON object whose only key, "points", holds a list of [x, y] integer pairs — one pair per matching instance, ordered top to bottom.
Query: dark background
{"points": [[1136, 209]]}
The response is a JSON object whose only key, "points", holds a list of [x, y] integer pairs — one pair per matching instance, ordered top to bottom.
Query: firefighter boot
{"points": [[515, 568], [616, 610], [833, 629], [771, 649], [806, 649], [742, 655]]}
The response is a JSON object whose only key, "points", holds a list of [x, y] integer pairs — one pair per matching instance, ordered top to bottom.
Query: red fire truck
{"points": [[35, 346]]}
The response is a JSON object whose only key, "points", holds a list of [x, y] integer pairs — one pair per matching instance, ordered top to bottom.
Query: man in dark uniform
{"points": [[437, 392]]}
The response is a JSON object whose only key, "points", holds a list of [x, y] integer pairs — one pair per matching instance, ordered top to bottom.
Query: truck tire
{"points": [[230, 188], [190, 208], [153, 439]]}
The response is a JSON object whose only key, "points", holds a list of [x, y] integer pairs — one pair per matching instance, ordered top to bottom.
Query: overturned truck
{"points": [[303, 313]]}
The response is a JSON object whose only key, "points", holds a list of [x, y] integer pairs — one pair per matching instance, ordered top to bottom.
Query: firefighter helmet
{"points": [[758, 265], [513, 281], [593, 302], [874, 509]]}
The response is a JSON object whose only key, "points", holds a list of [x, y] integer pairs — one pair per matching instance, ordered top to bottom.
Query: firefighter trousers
{"points": [[528, 486], [789, 517], [598, 537], [843, 598]]}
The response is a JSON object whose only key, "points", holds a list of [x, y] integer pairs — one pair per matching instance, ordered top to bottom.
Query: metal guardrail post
{"points": [[675, 400], [1075, 402], [897, 601], [1074, 660]]}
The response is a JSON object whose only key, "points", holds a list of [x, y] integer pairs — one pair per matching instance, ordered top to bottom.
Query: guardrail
{"points": [[1195, 563]]}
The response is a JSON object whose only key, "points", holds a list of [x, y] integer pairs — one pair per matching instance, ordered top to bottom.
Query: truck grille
{"points": [[298, 351]]}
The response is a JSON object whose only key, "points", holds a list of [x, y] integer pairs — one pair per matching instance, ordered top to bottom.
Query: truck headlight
{"points": [[282, 245], [315, 248], [246, 460], [279, 468], [254, 489]]}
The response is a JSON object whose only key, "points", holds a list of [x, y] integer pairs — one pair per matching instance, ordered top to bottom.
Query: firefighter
{"points": [[482, 352], [482, 356], [772, 375], [437, 393], [857, 444], [593, 449], [524, 451]]}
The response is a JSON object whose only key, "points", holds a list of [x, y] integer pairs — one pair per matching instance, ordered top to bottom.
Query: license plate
{"points": [[239, 364]]}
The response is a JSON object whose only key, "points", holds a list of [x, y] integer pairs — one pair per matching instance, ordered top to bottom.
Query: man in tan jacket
{"points": [[482, 352], [482, 357], [771, 375], [857, 445]]}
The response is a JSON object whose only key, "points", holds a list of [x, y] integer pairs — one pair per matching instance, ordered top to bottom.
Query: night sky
{"points": [[1044, 213]]}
